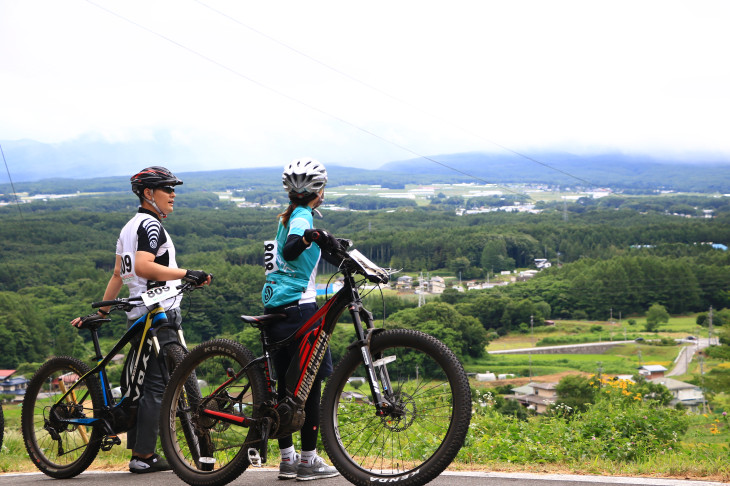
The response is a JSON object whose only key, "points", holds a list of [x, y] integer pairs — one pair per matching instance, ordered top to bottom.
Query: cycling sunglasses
{"points": [[167, 189]]}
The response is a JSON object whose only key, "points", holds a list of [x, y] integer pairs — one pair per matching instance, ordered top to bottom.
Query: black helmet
{"points": [[153, 177]]}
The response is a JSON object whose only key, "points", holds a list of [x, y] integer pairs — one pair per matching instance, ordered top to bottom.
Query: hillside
{"points": [[605, 170]]}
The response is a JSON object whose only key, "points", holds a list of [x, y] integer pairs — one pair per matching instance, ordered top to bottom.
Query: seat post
{"points": [[95, 338]]}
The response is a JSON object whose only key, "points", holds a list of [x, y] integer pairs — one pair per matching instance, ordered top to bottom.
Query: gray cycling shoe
{"points": [[151, 464], [288, 469], [317, 470]]}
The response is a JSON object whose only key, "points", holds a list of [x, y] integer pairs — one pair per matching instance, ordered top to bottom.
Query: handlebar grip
{"points": [[104, 303]]}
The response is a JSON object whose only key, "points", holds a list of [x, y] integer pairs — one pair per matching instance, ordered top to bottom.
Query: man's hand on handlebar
{"points": [[198, 277]]}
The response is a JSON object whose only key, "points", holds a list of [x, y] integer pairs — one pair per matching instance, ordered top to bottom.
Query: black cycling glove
{"points": [[323, 238], [197, 277], [94, 318]]}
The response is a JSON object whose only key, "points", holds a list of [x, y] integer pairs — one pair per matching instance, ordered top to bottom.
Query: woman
{"points": [[290, 289]]}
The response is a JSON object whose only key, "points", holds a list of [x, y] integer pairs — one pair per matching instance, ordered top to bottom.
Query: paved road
{"points": [[686, 355], [263, 477]]}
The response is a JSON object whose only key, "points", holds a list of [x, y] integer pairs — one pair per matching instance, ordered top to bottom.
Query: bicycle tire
{"points": [[173, 354], [416, 444], [73, 449], [228, 452]]}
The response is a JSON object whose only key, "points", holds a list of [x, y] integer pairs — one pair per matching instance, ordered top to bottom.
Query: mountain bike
{"points": [[70, 411], [407, 430]]}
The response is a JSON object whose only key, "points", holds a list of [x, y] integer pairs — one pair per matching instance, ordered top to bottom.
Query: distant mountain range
{"points": [[72, 165], [605, 170]]}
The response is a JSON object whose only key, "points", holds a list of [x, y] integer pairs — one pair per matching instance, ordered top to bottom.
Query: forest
{"points": [[622, 253]]}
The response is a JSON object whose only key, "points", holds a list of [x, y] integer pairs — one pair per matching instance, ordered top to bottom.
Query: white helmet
{"points": [[304, 176]]}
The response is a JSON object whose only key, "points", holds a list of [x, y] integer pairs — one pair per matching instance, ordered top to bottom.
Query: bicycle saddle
{"points": [[262, 321]]}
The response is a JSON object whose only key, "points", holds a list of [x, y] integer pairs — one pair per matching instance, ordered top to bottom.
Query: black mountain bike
{"points": [[69, 411], [406, 430]]}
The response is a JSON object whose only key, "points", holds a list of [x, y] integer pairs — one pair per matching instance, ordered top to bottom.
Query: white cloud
{"points": [[646, 76]]}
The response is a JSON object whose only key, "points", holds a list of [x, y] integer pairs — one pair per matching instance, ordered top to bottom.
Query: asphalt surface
{"points": [[267, 476]]}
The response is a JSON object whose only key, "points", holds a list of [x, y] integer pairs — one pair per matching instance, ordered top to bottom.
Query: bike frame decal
{"points": [[144, 352], [311, 354]]}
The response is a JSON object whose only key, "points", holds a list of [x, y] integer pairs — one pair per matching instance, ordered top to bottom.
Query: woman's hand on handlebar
{"points": [[323, 238]]}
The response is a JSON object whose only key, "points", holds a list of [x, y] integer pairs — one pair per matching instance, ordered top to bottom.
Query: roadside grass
{"points": [[700, 453]]}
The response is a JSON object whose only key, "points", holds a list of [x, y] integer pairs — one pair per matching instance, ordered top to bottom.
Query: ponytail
{"points": [[296, 200], [284, 217]]}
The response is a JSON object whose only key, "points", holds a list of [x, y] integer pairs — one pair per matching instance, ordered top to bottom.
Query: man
{"points": [[145, 259]]}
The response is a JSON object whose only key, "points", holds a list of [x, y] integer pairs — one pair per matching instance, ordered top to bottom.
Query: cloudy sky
{"points": [[244, 84]]}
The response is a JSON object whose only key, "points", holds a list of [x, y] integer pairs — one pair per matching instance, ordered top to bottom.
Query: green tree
{"points": [[655, 316], [465, 335], [577, 392]]}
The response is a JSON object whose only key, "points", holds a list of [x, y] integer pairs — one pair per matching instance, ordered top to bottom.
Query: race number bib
{"points": [[270, 251], [126, 268], [158, 294]]}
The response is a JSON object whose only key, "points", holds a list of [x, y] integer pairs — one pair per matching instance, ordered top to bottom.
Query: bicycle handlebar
{"points": [[355, 262], [128, 303]]}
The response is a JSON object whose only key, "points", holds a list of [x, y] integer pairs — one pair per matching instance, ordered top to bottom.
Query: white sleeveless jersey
{"points": [[144, 232]]}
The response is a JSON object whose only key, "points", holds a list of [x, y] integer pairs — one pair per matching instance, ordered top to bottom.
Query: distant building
{"points": [[541, 263], [404, 283], [436, 285], [651, 372], [5, 374], [486, 376], [12, 385], [536, 396], [690, 396]]}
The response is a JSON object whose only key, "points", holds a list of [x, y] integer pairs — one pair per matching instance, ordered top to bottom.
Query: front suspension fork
{"points": [[374, 369]]}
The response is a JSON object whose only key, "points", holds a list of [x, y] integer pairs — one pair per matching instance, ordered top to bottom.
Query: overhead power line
{"points": [[393, 97], [295, 100], [12, 186]]}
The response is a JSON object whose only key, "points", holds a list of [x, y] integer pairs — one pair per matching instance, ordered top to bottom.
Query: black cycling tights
{"points": [[310, 429]]}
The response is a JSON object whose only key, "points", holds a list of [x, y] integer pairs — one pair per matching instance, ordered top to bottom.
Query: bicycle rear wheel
{"points": [[427, 426], [57, 447], [199, 447], [218, 453]]}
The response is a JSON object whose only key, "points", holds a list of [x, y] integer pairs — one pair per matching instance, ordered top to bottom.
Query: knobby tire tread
{"points": [[459, 424], [41, 461], [240, 462]]}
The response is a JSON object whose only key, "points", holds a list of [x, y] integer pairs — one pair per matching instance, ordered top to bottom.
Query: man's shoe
{"points": [[153, 463], [288, 469], [317, 470]]}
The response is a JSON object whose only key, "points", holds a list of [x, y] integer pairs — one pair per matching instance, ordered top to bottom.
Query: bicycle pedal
{"points": [[110, 441], [253, 457]]}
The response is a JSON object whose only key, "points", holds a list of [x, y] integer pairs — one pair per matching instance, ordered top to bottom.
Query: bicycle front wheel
{"points": [[429, 418], [57, 439], [216, 452]]}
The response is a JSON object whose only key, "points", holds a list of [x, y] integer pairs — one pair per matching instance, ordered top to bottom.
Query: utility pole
{"points": [[709, 327], [532, 332], [532, 338]]}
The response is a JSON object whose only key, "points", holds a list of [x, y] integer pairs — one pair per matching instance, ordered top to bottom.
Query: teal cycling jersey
{"points": [[291, 282]]}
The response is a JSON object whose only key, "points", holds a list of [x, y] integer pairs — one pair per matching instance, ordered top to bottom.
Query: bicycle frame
{"points": [[148, 326], [299, 379]]}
